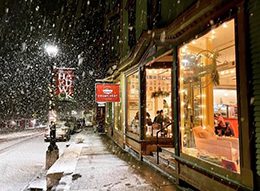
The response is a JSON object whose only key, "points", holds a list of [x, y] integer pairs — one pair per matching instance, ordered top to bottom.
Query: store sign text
{"points": [[107, 93]]}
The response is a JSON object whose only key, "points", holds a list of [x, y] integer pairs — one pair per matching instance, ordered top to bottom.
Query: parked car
{"points": [[88, 123], [62, 133]]}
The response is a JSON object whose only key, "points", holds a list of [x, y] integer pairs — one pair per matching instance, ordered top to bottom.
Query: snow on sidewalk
{"points": [[65, 165], [99, 169]]}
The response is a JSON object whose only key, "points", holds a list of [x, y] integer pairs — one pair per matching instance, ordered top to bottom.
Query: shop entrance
{"points": [[100, 117]]}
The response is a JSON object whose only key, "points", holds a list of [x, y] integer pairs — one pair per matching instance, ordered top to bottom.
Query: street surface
{"points": [[21, 160]]}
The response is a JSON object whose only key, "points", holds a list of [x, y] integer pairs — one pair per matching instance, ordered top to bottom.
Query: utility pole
{"points": [[52, 154]]}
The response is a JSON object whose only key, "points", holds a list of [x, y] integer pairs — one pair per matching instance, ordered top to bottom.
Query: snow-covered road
{"points": [[21, 160]]}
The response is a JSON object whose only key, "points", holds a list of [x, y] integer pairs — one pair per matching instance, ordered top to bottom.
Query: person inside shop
{"points": [[157, 114], [159, 118], [148, 119], [159, 121], [220, 124], [155, 125], [148, 126], [229, 130]]}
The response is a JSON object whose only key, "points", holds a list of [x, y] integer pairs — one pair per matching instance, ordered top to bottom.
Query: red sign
{"points": [[64, 82], [107, 93]]}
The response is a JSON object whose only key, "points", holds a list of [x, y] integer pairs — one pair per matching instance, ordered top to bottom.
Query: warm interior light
{"points": [[224, 25]]}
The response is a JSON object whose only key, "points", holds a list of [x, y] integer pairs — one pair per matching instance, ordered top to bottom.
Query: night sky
{"points": [[25, 27]]}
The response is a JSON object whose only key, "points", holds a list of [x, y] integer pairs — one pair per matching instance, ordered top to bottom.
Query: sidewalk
{"points": [[91, 166]]}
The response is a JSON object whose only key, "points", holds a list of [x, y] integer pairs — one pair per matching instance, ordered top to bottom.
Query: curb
{"points": [[62, 170]]}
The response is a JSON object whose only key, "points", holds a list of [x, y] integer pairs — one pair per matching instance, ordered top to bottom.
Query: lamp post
{"points": [[52, 154]]}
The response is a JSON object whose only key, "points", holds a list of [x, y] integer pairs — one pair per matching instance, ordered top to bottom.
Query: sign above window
{"points": [[107, 93]]}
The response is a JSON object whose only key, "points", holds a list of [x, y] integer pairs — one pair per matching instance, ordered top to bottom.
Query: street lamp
{"points": [[52, 50], [52, 153]]}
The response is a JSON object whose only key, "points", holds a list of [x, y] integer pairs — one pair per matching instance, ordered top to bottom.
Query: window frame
{"points": [[133, 71], [242, 89]]}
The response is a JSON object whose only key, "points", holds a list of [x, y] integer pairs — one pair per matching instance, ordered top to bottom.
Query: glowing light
{"points": [[224, 25], [212, 37], [184, 49], [52, 50], [185, 61]]}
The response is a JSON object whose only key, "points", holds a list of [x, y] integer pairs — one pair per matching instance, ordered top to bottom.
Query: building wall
{"points": [[171, 9], [253, 16], [141, 17], [124, 30]]}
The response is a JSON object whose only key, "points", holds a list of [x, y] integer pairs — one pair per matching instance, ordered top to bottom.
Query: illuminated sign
{"points": [[64, 78], [107, 93]]}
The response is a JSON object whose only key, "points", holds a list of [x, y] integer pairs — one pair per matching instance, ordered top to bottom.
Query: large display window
{"points": [[208, 98], [158, 102], [132, 107], [118, 115]]}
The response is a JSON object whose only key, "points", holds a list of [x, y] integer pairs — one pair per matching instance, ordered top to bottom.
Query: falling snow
{"points": [[26, 27]]}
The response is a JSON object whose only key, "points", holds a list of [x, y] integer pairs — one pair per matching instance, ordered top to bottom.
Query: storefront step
{"points": [[168, 150], [166, 159], [162, 167]]}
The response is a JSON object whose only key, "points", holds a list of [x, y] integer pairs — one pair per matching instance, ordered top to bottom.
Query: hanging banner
{"points": [[64, 80], [107, 93]]}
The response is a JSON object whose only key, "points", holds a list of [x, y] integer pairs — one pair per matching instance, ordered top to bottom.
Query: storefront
{"points": [[202, 84], [148, 94], [208, 97], [213, 122], [118, 133]]}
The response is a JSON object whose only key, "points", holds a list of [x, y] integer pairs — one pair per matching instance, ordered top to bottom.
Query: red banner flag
{"points": [[64, 78], [107, 93]]}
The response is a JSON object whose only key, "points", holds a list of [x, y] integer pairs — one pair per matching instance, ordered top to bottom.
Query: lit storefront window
{"points": [[208, 98], [158, 99], [132, 108]]}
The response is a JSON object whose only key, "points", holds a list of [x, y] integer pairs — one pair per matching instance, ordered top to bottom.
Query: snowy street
{"points": [[22, 158]]}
